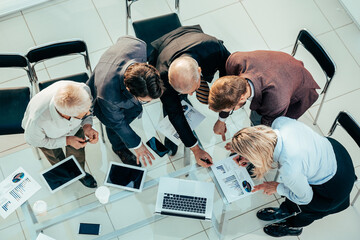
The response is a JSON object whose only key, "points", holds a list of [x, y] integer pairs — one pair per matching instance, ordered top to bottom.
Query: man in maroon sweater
{"points": [[274, 82]]}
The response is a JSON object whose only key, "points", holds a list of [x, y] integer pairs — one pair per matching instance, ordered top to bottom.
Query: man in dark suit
{"points": [[187, 60], [274, 82], [120, 84]]}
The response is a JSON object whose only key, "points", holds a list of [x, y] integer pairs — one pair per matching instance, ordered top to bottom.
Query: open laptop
{"points": [[185, 198]]}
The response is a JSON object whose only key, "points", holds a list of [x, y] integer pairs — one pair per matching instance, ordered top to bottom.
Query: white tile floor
{"points": [[243, 25]]}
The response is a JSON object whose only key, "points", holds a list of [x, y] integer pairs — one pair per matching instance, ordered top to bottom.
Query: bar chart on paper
{"points": [[15, 190]]}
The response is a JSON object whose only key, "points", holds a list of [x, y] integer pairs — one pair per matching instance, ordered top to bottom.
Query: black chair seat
{"points": [[151, 29], [80, 77], [12, 108]]}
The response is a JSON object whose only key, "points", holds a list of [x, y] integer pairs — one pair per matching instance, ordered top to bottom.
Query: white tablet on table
{"points": [[62, 174], [125, 176]]}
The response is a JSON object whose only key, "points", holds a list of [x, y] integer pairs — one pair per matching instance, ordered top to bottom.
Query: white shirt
{"points": [[44, 127]]}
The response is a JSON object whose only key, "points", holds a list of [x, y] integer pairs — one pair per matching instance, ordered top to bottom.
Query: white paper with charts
{"points": [[193, 117], [235, 181], [15, 190]]}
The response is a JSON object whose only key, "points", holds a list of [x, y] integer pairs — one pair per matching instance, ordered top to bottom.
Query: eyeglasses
{"points": [[231, 112], [85, 116]]}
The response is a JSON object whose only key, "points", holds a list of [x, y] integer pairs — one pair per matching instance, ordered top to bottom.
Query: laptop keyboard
{"points": [[184, 203]]}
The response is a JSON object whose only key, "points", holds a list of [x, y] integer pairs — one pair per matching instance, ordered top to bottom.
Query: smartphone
{"points": [[157, 147], [206, 160], [89, 228]]}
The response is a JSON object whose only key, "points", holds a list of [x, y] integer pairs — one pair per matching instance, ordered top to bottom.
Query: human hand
{"points": [[220, 129], [91, 133], [75, 142], [229, 148], [143, 153], [201, 154], [241, 161], [268, 187]]}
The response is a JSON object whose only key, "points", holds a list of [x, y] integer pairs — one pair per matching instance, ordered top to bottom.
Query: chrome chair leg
{"points": [[356, 196]]}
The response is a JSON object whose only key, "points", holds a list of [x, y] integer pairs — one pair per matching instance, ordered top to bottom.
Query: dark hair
{"points": [[143, 80], [226, 92]]}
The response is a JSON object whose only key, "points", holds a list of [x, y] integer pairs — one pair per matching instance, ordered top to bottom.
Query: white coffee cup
{"points": [[102, 194], [40, 208]]}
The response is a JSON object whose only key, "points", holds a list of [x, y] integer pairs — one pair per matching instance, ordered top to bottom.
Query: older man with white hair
{"points": [[59, 116]]}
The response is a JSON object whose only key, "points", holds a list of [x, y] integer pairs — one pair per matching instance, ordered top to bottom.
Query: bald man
{"points": [[187, 60]]}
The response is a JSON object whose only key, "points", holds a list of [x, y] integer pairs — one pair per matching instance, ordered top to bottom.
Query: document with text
{"points": [[235, 181], [15, 190]]}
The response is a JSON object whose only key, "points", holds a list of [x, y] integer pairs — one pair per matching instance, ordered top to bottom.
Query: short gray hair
{"points": [[182, 72], [72, 99]]}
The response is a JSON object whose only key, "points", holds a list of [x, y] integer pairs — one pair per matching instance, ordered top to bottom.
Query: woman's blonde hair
{"points": [[256, 144]]}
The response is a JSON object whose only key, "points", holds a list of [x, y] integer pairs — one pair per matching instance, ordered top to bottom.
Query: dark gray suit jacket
{"points": [[113, 105]]}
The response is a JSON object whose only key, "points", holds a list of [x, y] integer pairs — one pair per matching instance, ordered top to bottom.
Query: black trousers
{"points": [[330, 197]]}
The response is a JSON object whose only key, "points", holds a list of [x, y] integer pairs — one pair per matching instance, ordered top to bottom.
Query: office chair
{"points": [[128, 13], [151, 29], [53, 50], [15, 60], [328, 66], [16, 99], [12, 113], [352, 127]]}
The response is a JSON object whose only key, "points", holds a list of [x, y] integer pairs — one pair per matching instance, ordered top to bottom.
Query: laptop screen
{"points": [[62, 174], [125, 176]]}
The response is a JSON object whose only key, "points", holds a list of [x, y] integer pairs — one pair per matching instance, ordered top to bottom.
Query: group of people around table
{"points": [[316, 173]]}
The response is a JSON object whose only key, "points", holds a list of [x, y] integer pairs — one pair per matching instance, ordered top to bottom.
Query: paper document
{"points": [[193, 117], [235, 181], [15, 190], [42, 236]]}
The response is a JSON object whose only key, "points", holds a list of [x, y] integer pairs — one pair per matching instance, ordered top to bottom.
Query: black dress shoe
{"points": [[171, 146], [127, 157], [88, 181], [269, 214], [281, 230]]}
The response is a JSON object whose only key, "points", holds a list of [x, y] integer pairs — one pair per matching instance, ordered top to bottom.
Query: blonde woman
{"points": [[316, 174]]}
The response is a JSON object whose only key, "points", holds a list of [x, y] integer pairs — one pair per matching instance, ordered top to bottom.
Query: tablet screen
{"points": [[66, 171], [125, 176]]}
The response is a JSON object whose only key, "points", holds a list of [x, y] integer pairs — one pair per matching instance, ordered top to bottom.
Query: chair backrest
{"points": [[151, 29], [314, 47], [55, 49], [59, 49], [13, 60], [16, 60], [12, 113], [351, 126]]}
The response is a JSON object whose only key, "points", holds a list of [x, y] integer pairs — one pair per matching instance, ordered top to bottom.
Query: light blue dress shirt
{"points": [[305, 158]]}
